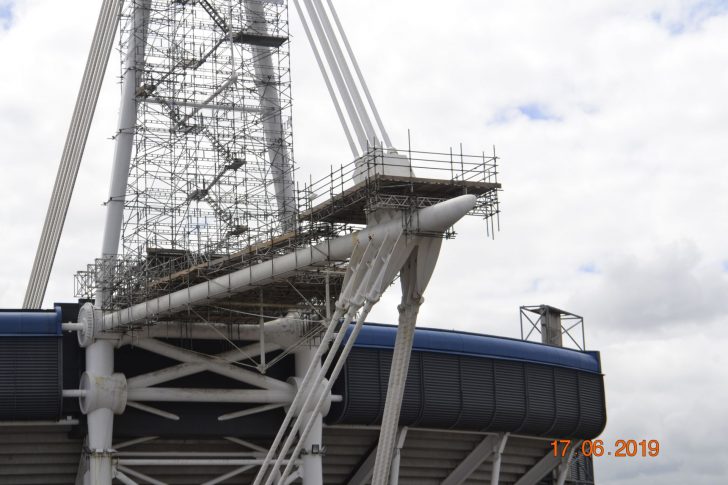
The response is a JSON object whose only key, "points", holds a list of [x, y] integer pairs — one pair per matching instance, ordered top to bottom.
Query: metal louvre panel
{"points": [[30, 378], [360, 383], [476, 383], [446, 391], [510, 396], [443, 399], [541, 399], [412, 401], [567, 403], [591, 404]]}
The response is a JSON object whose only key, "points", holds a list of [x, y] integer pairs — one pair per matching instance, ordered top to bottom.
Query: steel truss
{"points": [[217, 244]]}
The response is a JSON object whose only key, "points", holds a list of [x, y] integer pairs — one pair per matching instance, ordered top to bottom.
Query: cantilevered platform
{"points": [[352, 205]]}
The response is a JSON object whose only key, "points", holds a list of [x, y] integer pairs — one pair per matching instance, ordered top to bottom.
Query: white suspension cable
{"points": [[345, 71], [336, 73], [359, 74], [327, 81], [72, 152], [370, 291]]}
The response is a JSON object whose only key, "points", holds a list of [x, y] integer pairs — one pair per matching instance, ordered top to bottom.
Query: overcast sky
{"points": [[611, 121]]}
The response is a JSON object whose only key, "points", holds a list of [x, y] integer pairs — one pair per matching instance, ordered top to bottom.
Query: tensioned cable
{"points": [[359, 74], [73, 152]]}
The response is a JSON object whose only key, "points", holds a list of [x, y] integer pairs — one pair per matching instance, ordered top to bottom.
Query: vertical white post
{"points": [[125, 135], [100, 354], [100, 362], [497, 459], [312, 468]]}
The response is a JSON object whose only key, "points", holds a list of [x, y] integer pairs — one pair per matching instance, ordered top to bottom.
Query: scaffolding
{"points": [[211, 172], [379, 182], [211, 184]]}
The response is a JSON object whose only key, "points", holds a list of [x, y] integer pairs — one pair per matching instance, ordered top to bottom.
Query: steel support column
{"points": [[124, 140], [414, 276], [100, 354], [100, 361], [475, 458], [497, 458], [311, 463], [546, 465], [394, 471]]}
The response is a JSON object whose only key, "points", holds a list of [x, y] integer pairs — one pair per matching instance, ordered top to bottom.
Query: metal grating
{"points": [[30, 378]]}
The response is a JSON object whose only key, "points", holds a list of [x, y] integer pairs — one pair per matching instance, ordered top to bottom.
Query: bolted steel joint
{"points": [[90, 319], [296, 383], [103, 392]]}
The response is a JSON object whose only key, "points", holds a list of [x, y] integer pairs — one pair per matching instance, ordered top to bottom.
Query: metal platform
{"points": [[389, 191]]}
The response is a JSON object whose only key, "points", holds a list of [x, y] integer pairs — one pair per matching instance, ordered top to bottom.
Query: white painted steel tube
{"points": [[345, 71], [336, 74], [359, 74], [327, 81], [124, 140], [72, 152], [436, 218], [364, 287], [280, 332], [100, 354], [100, 362], [213, 365], [189, 368], [304, 385], [395, 389], [74, 393], [167, 394], [152, 410], [249, 411], [313, 418], [497, 460], [190, 461], [312, 467], [230, 474], [140, 476], [123, 478]]}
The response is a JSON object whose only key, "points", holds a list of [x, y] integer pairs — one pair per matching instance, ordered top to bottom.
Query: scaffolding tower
{"points": [[211, 171], [211, 186]]}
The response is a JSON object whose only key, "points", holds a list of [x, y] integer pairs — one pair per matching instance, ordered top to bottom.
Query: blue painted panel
{"points": [[30, 322], [460, 343]]}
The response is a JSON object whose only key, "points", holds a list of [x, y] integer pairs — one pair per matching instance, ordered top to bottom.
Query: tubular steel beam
{"points": [[433, 219], [213, 365], [189, 368], [187, 394], [497, 459], [471, 462], [545, 466], [394, 472], [363, 474]]}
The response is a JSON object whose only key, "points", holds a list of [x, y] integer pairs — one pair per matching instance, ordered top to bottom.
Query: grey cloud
{"points": [[638, 159], [673, 285]]}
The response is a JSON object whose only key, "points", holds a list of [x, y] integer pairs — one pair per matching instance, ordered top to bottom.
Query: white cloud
{"points": [[626, 176]]}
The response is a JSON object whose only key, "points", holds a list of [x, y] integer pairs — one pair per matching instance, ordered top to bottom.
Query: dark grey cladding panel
{"points": [[31, 378], [474, 393], [440, 401], [541, 408]]}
